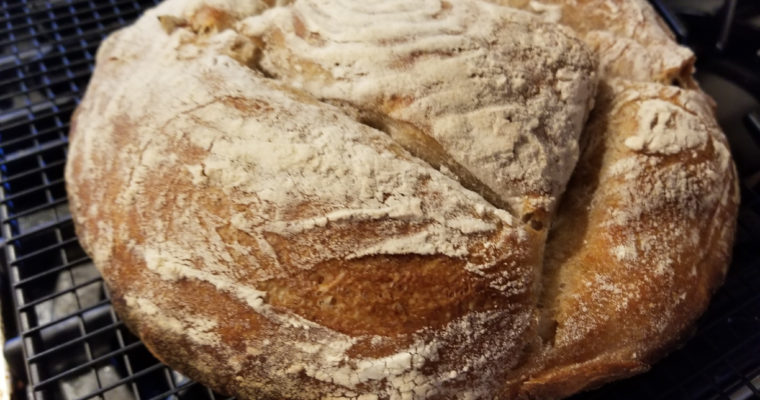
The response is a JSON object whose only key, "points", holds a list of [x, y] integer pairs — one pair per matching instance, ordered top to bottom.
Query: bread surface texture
{"points": [[401, 199]]}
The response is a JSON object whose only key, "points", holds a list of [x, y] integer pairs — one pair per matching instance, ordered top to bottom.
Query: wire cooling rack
{"points": [[67, 343]]}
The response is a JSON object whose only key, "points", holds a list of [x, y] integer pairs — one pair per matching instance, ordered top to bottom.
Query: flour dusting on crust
{"points": [[237, 181], [351, 200]]}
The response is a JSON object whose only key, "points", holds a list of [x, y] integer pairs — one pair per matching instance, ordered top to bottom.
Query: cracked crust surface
{"points": [[301, 202]]}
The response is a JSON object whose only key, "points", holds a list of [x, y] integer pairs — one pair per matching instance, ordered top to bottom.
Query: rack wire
{"points": [[67, 342]]}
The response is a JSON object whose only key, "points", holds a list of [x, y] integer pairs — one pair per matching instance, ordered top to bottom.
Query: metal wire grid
{"points": [[70, 344]]}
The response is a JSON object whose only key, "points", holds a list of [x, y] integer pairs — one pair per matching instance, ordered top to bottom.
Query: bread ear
{"points": [[499, 103], [632, 261]]}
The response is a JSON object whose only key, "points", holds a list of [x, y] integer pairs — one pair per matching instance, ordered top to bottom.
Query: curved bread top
{"points": [[628, 37], [499, 101], [299, 202], [640, 242], [346, 260]]}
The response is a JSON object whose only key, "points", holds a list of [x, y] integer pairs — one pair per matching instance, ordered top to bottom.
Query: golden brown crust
{"points": [[630, 39], [193, 201], [271, 219], [634, 255], [586, 284]]}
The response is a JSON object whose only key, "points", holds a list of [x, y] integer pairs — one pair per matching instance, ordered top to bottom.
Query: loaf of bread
{"points": [[402, 199]]}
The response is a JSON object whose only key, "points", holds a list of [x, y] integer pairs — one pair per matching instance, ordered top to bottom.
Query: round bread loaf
{"points": [[402, 199]]}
